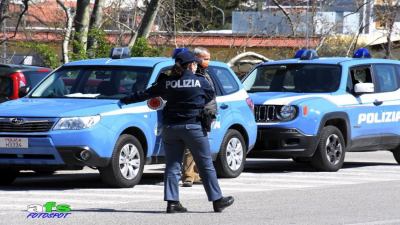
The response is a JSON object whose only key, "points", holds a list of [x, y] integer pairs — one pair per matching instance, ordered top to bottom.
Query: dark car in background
{"points": [[17, 80]]}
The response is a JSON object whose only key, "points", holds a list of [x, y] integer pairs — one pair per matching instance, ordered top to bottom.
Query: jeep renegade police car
{"points": [[311, 108], [73, 118]]}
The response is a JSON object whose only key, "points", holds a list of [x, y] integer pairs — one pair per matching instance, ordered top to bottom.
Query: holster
{"points": [[206, 119]]}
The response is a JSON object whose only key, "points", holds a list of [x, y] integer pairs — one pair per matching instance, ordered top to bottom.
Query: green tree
{"points": [[199, 15], [103, 46], [102, 49], [142, 49], [46, 52]]}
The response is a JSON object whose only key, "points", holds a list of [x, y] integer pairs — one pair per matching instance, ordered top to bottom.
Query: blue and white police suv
{"points": [[315, 109], [73, 119]]}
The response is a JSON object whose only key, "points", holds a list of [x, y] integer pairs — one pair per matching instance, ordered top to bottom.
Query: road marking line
{"points": [[379, 222]]}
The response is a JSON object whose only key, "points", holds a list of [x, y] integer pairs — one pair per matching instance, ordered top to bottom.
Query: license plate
{"points": [[11, 142]]}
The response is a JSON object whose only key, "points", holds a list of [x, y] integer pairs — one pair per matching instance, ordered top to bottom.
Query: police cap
{"points": [[186, 57]]}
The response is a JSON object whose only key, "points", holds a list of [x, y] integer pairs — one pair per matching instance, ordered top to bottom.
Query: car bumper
{"points": [[283, 143], [58, 149], [72, 155]]}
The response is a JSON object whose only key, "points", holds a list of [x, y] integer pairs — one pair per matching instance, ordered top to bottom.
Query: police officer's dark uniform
{"points": [[186, 96], [190, 172]]}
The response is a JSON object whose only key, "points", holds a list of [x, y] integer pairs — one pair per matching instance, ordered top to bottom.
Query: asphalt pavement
{"points": [[365, 192]]}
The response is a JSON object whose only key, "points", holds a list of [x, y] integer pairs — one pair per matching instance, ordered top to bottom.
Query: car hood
{"points": [[281, 98], [30, 107]]}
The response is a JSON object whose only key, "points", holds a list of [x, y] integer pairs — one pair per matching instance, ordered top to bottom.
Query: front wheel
{"points": [[330, 152], [232, 155], [127, 163], [8, 176]]}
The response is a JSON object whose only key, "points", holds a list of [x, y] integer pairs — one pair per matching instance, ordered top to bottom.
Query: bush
{"points": [[337, 45], [103, 47], [46, 52]]}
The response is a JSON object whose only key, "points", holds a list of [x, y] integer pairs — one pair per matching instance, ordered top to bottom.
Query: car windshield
{"points": [[304, 78], [93, 82]]}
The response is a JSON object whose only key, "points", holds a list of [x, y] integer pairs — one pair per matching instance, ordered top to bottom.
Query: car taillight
{"points": [[19, 81], [250, 104]]}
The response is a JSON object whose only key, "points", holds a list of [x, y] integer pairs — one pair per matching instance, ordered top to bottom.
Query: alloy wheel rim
{"points": [[333, 149], [234, 153], [129, 161]]}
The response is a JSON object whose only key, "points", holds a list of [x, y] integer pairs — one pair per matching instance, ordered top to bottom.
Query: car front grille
{"points": [[265, 113], [26, 125]]}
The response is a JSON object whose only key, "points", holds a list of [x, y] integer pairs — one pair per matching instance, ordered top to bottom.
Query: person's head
{"points": [[204, 55], [187, 60]]}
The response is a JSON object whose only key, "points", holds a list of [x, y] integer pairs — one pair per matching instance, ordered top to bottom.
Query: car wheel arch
{"points": [[339, 120], [242, 131], [138, 133]]}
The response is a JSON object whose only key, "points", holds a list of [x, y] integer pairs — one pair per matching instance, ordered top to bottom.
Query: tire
{"points": [[330, 152], [232, 155], [396, 155], [129, 172], [8, 176]]}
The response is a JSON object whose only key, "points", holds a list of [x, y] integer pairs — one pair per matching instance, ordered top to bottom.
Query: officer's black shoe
{"points": [[222, 203], [175, 207]]}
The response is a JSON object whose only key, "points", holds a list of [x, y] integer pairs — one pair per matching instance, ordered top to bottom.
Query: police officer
{"points": [[186, 95], [190, 172]]}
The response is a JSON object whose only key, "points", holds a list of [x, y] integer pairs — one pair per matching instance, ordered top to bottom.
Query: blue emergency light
{"points": [[177, 51], [362, 53], [298, 54], [305, 54]]}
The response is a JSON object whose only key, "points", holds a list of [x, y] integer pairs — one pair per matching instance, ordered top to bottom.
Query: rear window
{"points": [[4, 70], [34, 77], [224, 79], [5, 87]]}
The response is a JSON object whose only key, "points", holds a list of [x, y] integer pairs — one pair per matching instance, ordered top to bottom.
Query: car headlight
{"points": [[287, 112], [76, 123]]}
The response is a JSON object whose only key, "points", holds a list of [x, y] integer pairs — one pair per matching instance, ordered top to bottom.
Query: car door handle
{"points": [[377, 102], [224, 106]]}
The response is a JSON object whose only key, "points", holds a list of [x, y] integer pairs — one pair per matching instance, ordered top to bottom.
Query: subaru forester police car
{"points": [[315, 109], [73, 119]]}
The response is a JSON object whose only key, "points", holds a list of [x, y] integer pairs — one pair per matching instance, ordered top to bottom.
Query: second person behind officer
{"points": [[186, 95], [190, 173]]}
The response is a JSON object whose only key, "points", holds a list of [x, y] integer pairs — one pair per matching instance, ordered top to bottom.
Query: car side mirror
{"points": [[364, 88], [23, 91]]}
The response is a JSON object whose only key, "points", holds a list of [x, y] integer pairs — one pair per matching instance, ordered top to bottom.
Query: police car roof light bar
{"points": [[177, 51], [120, 53], [362, 53], [298, 54], [309, 54]]}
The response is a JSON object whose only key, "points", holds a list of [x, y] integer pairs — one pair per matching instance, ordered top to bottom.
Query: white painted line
{"points": [[43, 200], [379, 222]]}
